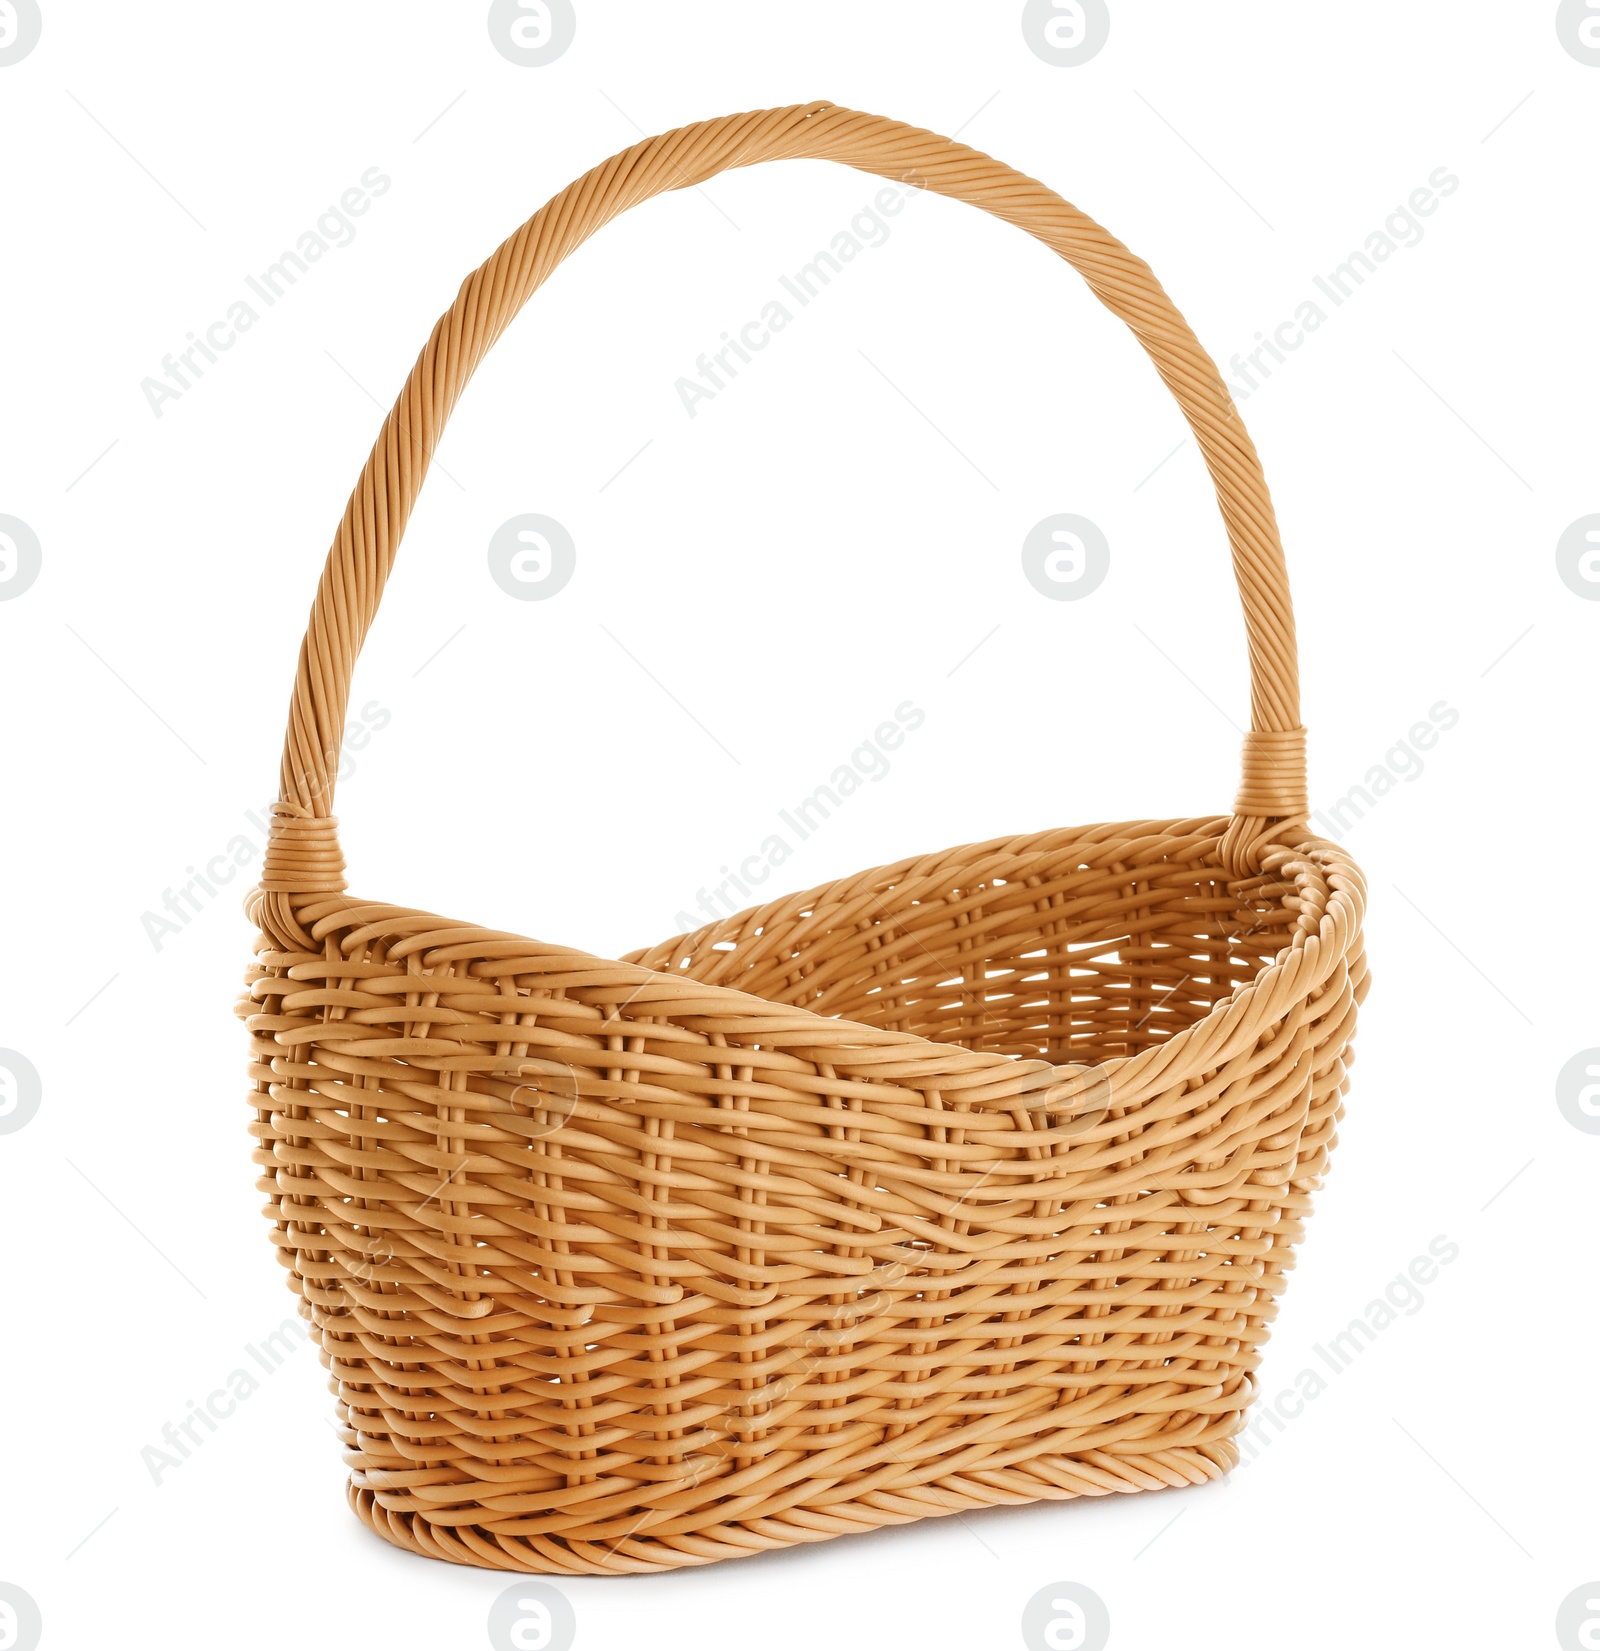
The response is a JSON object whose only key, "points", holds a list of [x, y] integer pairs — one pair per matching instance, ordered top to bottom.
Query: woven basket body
{"points": [[964, 1181]]}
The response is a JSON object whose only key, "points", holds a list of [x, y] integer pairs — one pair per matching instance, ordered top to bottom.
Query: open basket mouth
{"points": [[1079, 947], [967, 1180]]}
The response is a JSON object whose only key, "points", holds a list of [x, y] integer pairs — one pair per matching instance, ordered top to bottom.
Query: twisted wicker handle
{"points": [[303, 856]]}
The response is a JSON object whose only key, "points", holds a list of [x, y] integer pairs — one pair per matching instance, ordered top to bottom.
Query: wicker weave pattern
{"points": [[968, 1180]]}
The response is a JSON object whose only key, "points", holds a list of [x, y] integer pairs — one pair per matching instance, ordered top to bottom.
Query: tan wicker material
{"points": [[968, 1180]]}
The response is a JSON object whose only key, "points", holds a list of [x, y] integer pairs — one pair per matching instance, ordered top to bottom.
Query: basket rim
{"points": [[1229, 1028]]}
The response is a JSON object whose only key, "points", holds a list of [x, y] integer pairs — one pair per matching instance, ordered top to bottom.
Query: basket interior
{"points": [[1042, 953]]}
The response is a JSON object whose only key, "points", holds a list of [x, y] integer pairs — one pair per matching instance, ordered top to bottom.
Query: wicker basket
{"points": [[968, 1180]]}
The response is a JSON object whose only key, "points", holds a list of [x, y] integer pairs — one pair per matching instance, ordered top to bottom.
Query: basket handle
{"points": [[303, 856]]}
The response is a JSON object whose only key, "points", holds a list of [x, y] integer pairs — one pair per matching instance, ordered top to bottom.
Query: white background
{"points": [[792, 563]]}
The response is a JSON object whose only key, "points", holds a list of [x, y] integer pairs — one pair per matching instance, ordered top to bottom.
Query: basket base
{"points": [[1047, 1478]]}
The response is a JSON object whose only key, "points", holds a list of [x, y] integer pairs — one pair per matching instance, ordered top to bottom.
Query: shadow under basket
{"points": [[970, 1180]]}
